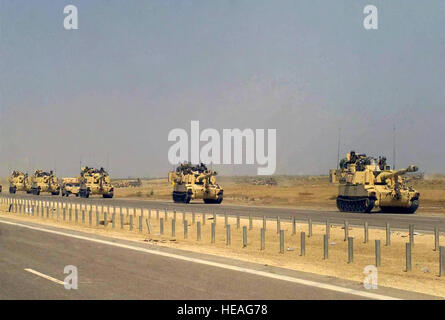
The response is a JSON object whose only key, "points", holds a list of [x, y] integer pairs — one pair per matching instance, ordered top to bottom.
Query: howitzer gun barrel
{"points": [[389, 175], [204, 176]]}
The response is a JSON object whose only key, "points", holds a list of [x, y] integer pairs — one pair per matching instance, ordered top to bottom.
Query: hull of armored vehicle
{"points": [[15, 187], [39, 187], [89, 189], [184, 193], [361, 199]]}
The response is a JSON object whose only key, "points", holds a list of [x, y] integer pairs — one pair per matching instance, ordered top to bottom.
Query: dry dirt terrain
{"points": [[290, 191], [423, 278]]}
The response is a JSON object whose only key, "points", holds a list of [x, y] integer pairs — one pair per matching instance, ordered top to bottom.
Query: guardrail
{"points": [[127, 217]]}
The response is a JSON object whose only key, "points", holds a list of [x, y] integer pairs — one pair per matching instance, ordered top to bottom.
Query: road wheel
{"points": [[179, 197], [413, 207]]}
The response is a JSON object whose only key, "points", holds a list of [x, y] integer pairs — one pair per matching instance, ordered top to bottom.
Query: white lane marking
{"points": [[45, 276], [310, 283]]}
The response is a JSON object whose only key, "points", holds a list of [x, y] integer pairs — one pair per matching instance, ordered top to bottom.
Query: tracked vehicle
{"points": [[19, 181], [43, 181], [95, 182], [195, 182], [365, 184]]}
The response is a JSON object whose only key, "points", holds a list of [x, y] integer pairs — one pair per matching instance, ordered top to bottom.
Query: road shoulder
{"points": [[234, 264]]}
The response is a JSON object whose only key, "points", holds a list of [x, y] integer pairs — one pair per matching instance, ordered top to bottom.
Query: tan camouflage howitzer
{"points": [[19, 181], [43, 181], [95, 182], [190, 184], [363, 190]]}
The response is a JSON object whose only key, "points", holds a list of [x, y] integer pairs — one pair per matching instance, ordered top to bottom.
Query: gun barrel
{"points": [[388, 175], [204, 176]]}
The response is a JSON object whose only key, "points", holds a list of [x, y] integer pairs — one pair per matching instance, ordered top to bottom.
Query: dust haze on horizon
{"points": [[110, 92]]}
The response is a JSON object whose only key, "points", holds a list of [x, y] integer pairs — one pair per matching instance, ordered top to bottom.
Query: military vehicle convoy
{"points": [[19, 181], [90, 182], [95, 182], [195, 182], [366, 183], [70, 186]]}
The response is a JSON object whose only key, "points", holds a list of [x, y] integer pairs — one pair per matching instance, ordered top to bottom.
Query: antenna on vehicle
{"points": [[338, 147], [394, 147]]}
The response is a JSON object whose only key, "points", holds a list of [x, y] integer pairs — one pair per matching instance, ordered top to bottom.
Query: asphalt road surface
{"points": [[401, 221], [33, 257]]}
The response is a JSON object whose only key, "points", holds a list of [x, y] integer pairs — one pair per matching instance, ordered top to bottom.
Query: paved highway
{"points": [[402, 221], [33, 257]]}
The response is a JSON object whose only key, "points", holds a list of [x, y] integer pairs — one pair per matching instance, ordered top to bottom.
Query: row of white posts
{"points": [[64, 210]]}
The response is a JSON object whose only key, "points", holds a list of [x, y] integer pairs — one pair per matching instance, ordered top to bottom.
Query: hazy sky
{"points": [[134, 70]]}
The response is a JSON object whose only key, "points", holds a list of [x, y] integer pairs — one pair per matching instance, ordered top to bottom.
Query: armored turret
{"points": [[393, 174]]}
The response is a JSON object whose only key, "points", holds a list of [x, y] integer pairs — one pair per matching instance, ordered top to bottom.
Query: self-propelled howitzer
{"points": [[19, 181], [43, 181], [95, 182], [195, 182], [369, 188]]}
